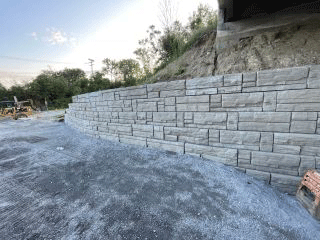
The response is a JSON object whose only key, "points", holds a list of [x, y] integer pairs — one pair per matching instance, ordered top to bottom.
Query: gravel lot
{"points": [[56, 183]]}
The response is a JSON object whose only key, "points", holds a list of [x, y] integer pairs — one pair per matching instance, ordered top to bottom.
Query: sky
{"points": [[38, 35]]}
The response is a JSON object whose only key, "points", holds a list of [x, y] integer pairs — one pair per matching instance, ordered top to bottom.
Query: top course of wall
{"points": [[265, 123]]}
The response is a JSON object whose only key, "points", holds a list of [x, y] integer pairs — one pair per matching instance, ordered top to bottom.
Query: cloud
{"points": [[55, 36]]}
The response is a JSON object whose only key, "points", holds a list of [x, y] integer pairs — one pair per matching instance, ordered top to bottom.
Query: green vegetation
{"points": [[155, 52]]}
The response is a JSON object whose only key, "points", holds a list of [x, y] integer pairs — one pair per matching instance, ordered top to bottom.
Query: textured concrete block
{"points": [[282, 76], [249, 77], [314, 77], [232, 80], [206, 82], [248, 84], [165, 86], [274, 88], [232, 89], [204, 91], [130, 93], [172, 93], [153, 94], [299, 96], [193, 99], [215, 99], [242, 100], [170, 101], [269, 101], [147, 107], [193, 107], [298, 107], [168, 109], [128, 115], [188, 115], [304, 116], [163, 117], [266, 117], [210, 118], [180, 119], [232, 121], [264, 127], [303, 127], [120, 128], [142, 128], [190, 132], [214, 136], [239, 137], [171, 138], [297, 139], [133, 140], [266, 142], [166, 145], [286, 149], [310, 151], [244, 154], [275, 160], [307, 163], [265, 176], [285, 183]]}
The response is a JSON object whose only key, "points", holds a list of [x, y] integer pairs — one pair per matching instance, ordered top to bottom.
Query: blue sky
{"points": [[37, 35]]}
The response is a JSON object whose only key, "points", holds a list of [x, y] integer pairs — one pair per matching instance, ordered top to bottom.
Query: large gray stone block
{"points": [[282, 76], [250, 77], [314, 77], [232, 80], [206, 82], [165, 86], [274, 88], [231, 89], [203, 91], [172, 93], [299, 96], [193, 99], [242, 100], [269, 101], [147, 107], [193, 107], [298, 107], [127, 115], [304, 116], [163, 117], [266, 117], [210, 118], [232, 121], [303, 126], [264, 127], [190, 132], [214, 136], [239, 137], [297, 139], [286, 149], [275, 160], [307, 163], [265, 176], [285, 183]]}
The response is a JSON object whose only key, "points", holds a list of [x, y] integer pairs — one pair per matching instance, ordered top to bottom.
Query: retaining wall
{"points": [[265, 123]]}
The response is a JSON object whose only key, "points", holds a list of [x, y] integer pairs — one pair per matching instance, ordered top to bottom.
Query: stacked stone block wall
{"points": [[265, 123]]}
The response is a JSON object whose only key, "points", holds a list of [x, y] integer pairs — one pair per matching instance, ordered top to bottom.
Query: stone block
{"points": [[282, 76], [249, 77], [314, 77], [232, 80], [205, 82], [248, 84], [165, 86], [274, 88], [232, 89], [204, 91], [132, 93], [172, 93], [153, 94], [299, 96], [193, 99], [215, 99], [242, 100], [170, 101], [269, 101], [147, 107], [193, 107], [298, 107], [161, 108], [169, 109], [128, 115], [188, 115], [304, 116], [163, 117], [266, 117], [180, 119], [215, 120], [232, 121], [303, 126], [264, 127], [120, 128], [142, 128], [190, 132], [158, 135], [214, 136], [239, 137], [170, 138], [297, 139], [133, 140], [266, 142], [166, 145], [235, 146], [286, 149], [310, 151], [244, 154], [275, 160], [307, 163], [317, 163], [265, 176], [285, 183]]}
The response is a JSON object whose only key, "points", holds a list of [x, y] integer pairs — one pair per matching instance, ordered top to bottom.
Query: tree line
{"points": [[154, 53]]}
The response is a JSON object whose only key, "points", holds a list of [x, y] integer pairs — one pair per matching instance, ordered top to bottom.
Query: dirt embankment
{"points": [[296, 45]]}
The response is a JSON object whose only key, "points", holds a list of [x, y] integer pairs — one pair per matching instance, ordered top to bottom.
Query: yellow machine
{"points": [[16, 109]]}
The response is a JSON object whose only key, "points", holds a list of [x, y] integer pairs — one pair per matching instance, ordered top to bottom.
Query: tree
{"points": [[168, 14], [203, 17], [111, 68], [130, 69], [71, 75], [3, 92]]}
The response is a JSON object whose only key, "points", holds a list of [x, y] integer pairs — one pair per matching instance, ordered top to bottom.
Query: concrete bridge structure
{"points": [[242, 19]]}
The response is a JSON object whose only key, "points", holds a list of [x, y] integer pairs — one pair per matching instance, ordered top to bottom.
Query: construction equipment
{"points": [[16, 109], [309, 192]]}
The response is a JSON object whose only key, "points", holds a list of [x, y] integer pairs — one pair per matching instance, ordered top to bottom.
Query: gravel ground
{"points": [[56, 183]]}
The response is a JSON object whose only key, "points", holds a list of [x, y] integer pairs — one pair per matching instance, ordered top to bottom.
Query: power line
{"points": [[32, 60], [91, 63]]}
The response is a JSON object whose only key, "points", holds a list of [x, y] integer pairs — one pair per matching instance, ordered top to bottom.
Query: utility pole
{"points": [[91, 64]]}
